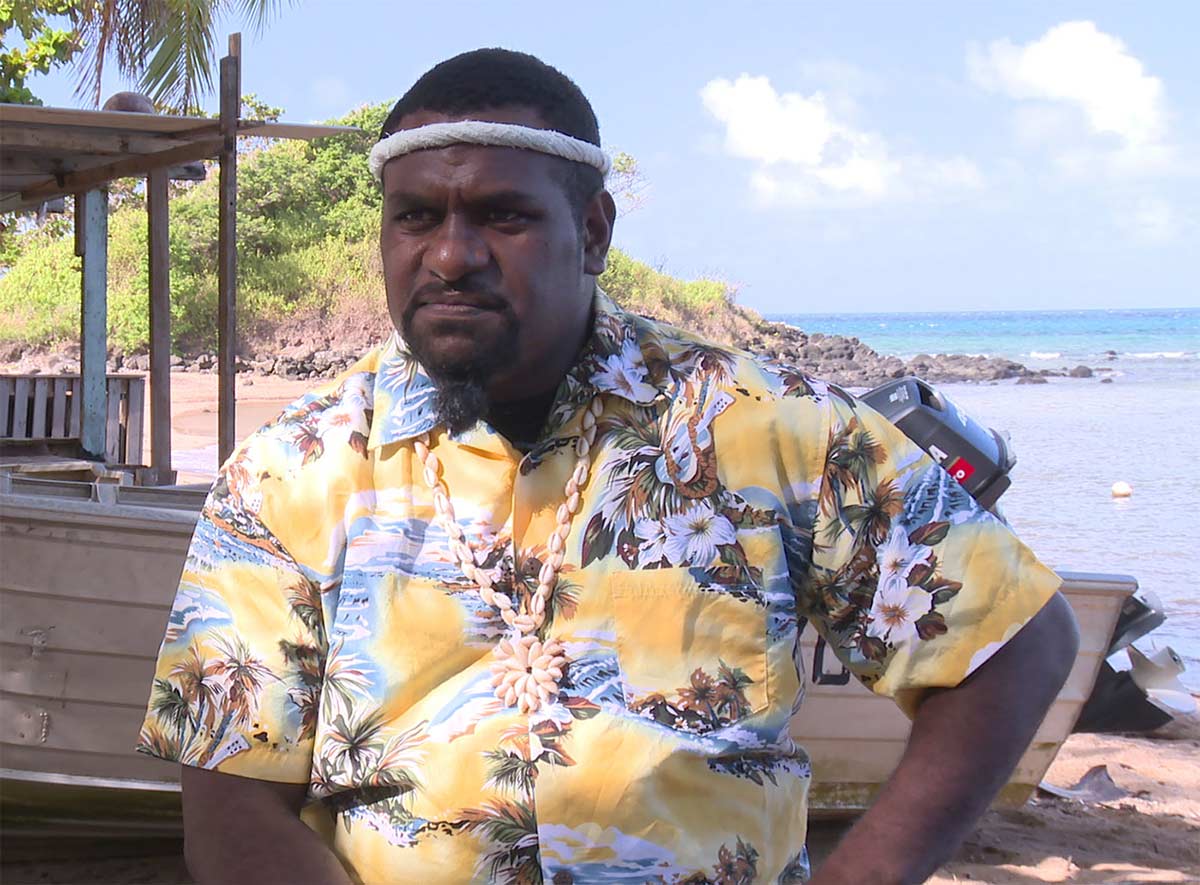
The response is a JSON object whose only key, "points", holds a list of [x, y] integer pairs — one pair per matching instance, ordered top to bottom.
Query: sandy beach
{"points": [[1150, 835]]}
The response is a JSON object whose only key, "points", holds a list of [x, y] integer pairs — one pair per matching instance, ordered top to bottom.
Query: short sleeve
{"points": [[911, 582], [237, 683]]}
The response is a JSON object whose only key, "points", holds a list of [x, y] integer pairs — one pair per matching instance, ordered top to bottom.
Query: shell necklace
{"points": [[526, 671]]}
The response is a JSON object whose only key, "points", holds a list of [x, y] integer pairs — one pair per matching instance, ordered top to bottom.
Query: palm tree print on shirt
{"points": [[704, 704]]}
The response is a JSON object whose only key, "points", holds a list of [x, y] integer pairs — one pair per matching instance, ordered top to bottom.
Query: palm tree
{"points": [[168, 45], [862, 452], [840, 464], [875, 514], [304, 601], [308, 663], [244, 678], [346, 682], [198, 683], [171, 707], [356, 740], [156, 742], [401, 757], [511, 772], [512, 829]]}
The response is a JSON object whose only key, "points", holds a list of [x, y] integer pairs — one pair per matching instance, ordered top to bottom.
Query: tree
{"points": [[46, 46], [169, 46], [627, 184]]}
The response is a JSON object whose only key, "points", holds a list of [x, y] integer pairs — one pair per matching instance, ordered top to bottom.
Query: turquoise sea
{"points": [[1075, 437]]}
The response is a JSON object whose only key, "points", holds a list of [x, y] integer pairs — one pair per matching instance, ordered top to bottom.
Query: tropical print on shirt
{"points": [[324, 633]]}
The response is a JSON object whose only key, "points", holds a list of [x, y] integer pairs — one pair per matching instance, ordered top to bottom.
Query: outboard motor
{"points": [[978, 457]]}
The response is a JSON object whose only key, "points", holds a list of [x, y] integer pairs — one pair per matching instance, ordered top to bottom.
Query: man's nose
{"points": [[457, 251]]}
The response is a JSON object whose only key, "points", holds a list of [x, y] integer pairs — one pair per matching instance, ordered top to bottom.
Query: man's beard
{"points": [[460, 387]]}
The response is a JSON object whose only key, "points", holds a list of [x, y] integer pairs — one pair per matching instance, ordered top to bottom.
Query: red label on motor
{"points": [[960, 469]]}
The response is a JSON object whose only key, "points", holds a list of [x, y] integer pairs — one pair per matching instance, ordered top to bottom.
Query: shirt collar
{"points": [[624, 357]]}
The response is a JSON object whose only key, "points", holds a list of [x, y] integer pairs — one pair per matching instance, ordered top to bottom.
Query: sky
{"points": [[836, 158]]}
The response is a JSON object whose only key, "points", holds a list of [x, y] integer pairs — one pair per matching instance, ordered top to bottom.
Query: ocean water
{"points": [[1075, 437]]}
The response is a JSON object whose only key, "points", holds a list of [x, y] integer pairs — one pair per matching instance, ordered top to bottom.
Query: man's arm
{"points": [[964, 745], [241, 830]]}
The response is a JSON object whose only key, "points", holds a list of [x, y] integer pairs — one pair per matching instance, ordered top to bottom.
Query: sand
{"points": [[194, 411], [1152, 835]]}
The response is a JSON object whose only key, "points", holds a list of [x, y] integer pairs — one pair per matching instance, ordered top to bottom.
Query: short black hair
{"points": [[487, 79]]}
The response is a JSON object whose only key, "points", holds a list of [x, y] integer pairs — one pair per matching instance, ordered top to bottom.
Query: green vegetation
{"points": [[45, 45], [167, 46], [308, 225]]}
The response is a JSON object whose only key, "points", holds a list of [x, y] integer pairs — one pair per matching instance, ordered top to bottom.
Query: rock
{"points": [[176, 361], [1080, 372], [1032, 379], [1106, 381]]}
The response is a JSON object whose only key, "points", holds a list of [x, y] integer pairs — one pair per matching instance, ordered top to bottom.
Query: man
{"points": [[517, 598]]}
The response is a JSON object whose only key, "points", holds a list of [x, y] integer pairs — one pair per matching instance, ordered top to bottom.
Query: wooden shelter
{"points": [[47, 153]]}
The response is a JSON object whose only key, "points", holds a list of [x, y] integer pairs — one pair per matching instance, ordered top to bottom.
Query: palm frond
{"points": [[169, 46], [180, 70], [304, 599], [169, 705], [156, 742], [510, 772]]}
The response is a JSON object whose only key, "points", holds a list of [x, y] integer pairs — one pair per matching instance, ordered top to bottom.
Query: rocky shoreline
{"points": [[842, 360]]}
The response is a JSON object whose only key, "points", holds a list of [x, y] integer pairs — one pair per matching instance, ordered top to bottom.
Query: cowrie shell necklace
{"points": [[526, 671]]}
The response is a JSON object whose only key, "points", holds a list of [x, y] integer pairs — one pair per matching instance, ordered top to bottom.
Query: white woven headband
{"points": [[436, 135]]}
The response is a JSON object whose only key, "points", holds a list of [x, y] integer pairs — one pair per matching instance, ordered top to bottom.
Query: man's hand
{"points": [[964, 745], [240, 830]]}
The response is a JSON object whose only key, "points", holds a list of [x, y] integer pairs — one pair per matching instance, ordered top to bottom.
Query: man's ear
{"points": [[598, 221]]}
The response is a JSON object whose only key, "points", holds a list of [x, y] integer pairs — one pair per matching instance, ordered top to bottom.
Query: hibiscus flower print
{"points": [[625, 373], [339, 423], [694, 535], [652, 542], [897, 557], [895, 611]]}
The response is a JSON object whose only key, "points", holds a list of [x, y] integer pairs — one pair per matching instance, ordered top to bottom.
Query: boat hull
{"points": [[84, 598]]}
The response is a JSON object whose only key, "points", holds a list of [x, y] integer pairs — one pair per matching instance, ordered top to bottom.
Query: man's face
{"points": [[488, 270]]}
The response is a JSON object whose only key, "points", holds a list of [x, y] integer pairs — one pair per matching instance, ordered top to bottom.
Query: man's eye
{"points": [[505, 216], [414, 217]]}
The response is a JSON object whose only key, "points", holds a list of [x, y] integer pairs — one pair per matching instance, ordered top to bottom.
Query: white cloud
{"points": [[1083, 82], [807, 153]]}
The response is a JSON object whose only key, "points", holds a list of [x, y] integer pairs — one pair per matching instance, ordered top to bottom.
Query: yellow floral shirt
{"points": [[324, 632]]}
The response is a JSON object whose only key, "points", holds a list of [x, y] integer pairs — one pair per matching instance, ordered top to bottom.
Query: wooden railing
{"points": [[46, 408]]}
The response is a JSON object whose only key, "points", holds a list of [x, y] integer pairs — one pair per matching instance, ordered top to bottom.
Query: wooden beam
{"points": [[231, 102], [11, 114], [59, 138], [37, 166], [129, 167], [157, 208], [91, 216]]}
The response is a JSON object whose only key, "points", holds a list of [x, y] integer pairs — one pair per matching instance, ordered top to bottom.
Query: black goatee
{"points": [[460, 402]]}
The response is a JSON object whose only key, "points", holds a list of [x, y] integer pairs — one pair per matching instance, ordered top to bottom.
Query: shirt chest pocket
{"points": [[692, 659]]}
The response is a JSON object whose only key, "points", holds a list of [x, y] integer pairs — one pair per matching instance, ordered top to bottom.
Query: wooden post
{"points": [[231, 101], [91, 243], [160, 328]]}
